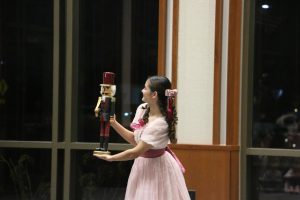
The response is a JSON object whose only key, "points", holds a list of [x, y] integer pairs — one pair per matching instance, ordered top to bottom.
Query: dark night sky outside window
{"points": [[276, 75], [276, 102]]}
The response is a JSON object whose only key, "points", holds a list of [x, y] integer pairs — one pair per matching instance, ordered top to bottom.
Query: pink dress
{"points": [[157, 178]]}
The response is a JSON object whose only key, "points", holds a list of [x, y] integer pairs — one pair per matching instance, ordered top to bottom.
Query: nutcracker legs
{"points": [[104, 136]]}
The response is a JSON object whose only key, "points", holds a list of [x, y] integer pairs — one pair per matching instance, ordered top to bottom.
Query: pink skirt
{"points": [[157, 178]]}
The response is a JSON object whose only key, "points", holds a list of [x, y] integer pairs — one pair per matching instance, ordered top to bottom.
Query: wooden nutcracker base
{"points": [[98, 152]]}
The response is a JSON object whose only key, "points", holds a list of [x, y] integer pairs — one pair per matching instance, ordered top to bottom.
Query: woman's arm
{"points": [[122, 131], [129, 154]]}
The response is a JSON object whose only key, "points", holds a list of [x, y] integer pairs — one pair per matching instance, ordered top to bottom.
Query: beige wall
{"points": [[195, 71]]}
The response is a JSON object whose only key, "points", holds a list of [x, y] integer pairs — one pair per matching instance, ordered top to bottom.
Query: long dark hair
{"points": [[160, 84]]}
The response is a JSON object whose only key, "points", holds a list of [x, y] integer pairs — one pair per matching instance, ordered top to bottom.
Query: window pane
{"points": [[117, 36], [26, 41], [62, 69], [276, 72], [25, 174], [60, 174], [273, 178], [98, 179]]}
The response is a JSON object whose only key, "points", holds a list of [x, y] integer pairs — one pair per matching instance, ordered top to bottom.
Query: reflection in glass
{"points": [[119, 37], [26, 46], [276, 83], [283, 133], [25, 174], [274, 177], [98, 179]]}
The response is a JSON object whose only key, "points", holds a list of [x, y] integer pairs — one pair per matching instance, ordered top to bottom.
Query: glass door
{"points": [[271, 101]]}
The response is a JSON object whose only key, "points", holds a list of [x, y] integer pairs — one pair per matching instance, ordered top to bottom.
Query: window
{"points": [[126, 43], [52, 56], [26, 70], [272, 113]]}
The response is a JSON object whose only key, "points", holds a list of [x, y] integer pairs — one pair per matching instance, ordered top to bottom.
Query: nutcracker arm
{"points": [[113, 106], [97, 107]]}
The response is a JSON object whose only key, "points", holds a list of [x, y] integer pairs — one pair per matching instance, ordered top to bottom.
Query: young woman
{"points": [[156, 173]]}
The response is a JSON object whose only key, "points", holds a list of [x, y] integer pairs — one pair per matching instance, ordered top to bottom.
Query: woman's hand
{"points": [[112, 120], [128, 154], [104, 157]]}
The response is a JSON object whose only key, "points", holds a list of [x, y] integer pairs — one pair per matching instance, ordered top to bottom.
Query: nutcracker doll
{"points": [[105, 109]]}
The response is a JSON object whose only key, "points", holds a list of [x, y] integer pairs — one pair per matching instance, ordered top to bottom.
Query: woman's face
{"points": [[147, 94]]}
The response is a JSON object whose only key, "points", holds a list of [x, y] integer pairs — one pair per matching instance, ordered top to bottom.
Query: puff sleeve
{"points": [[139, 113], [156, 133]]}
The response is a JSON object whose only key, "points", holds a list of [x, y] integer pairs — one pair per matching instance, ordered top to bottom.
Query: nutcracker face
{"points": [[106, 90]]}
